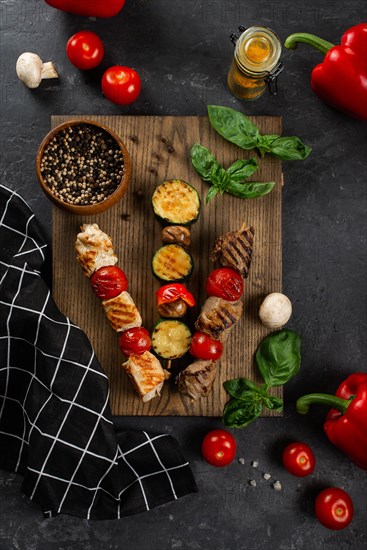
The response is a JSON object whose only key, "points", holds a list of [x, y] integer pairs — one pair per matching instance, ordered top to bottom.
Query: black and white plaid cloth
{"points": [[56, 426]]}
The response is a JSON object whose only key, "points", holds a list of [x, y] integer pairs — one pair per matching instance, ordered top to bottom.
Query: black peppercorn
{"points": [[82, 165]]}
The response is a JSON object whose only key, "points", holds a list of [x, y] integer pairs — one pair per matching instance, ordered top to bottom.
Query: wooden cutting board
{"points": [[136, 235]]}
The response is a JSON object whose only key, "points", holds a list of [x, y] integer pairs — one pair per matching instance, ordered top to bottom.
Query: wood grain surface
{"points": [[136, 235]]}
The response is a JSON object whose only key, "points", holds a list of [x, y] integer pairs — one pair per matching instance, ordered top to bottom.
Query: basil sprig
{"points": [[238, 128], [232, 180], [278, 358]]}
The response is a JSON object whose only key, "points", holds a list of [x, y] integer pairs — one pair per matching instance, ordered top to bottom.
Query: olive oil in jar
{"points": [[255, 62]]}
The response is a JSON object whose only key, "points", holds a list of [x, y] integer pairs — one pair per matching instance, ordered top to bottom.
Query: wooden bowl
{"points": [[90, 209]]}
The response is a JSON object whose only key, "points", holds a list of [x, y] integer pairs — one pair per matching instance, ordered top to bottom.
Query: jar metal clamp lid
{"points": [[269, 67]]}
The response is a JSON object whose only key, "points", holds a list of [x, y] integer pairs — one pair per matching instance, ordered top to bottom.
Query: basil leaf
{"points": [[234, 126], [238, 128], [264, 143], [289, 148], [203, 161], [242, 169], [219, 177], [230, 180], [250, 190], [211, 194], [278, 357], [238, 386], [273, 403], [239, 413]]}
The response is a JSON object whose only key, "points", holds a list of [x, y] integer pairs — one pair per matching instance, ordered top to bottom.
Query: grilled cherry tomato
{"points": [[85, 50], [121, 85], [108, 282], [225, 283], [135, 340], [204, 347], [219, 448], [298, 459], [334, 508]]}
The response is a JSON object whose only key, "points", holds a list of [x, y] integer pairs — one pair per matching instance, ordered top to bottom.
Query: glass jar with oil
{"points": [[255, 63]]}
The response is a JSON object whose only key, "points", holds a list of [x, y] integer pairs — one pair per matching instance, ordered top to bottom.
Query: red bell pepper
{"points": [[89, 8], [341, 79], [170, 293], [346, 422]]}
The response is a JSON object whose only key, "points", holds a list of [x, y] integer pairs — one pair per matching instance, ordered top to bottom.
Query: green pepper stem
{"points": [[319, 44], [303, 403]]}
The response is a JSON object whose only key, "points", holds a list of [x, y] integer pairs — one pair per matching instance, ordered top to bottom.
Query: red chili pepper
{"points": [[89, 8], [341, 79], [170, 293], [346, 422]]}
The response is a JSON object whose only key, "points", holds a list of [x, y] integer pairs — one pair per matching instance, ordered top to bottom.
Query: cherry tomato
{"points": [[85, 50], [121, 85], [108, 282], [225, 283], [135, 340], [204, 347], [219, 448], [298, 459], [334, 508]]}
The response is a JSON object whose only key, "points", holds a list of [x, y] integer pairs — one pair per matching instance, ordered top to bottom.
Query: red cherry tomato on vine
{"points": [[85, 50], [121, 85], [108, 282], [225, 283], [135, 340], [204, 347], [219, 448], [298, 459], [334, 508]]}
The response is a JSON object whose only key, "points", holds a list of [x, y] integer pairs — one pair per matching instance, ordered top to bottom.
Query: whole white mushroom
{"points": [[31, 70], [275, 311]]}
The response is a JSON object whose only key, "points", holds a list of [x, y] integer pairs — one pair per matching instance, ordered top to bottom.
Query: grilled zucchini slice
{"points": [[176, 202], [172, 263], [171, 339]]}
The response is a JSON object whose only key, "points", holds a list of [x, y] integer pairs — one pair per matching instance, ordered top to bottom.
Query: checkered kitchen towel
{"points": [[55, 422]]}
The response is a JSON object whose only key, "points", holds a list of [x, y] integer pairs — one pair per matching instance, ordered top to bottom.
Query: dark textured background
{"points": [[182, 51]]}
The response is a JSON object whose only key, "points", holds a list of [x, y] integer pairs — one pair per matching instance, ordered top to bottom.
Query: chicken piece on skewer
{"points": [[94, 249], [122, 312], [146, 374]]}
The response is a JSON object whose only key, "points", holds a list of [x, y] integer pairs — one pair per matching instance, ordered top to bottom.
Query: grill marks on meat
{"points": [[94, 249], [235, 250], [121, 312], [218, 316], [146, 374], [197, 379]]}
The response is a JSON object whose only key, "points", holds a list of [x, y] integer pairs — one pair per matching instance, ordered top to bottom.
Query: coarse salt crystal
{"points": [[241, 460], [255, 464], [266, 476], [253, 483], [277, 486]]}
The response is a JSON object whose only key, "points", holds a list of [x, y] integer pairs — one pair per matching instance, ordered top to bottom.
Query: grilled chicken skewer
{"points": [[94, 250]]}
